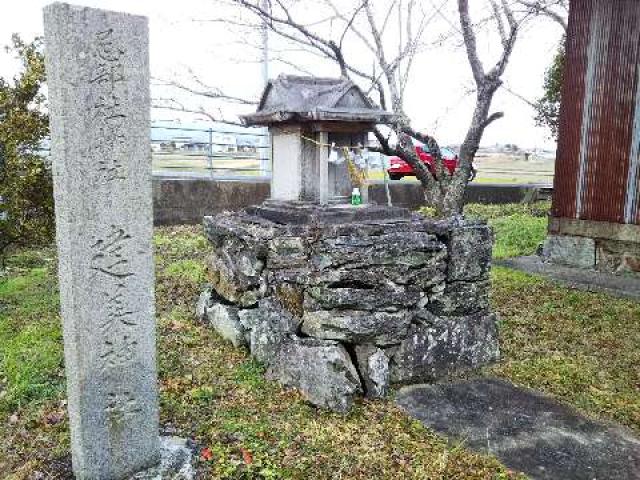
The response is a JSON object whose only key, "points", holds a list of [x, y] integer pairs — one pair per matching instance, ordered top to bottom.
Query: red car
{"points": [[399, 168]]}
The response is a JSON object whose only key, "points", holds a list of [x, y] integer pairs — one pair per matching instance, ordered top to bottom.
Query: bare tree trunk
{"points": [[452, 201]]}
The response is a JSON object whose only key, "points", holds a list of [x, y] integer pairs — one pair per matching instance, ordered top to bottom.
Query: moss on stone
{"points": [[291, 298]]}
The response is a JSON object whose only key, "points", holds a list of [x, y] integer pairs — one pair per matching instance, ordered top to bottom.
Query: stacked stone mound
{"points": [[338, 310]]}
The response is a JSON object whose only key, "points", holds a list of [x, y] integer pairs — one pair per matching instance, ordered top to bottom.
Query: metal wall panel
{"points": [[571, 110], [596, 167], [603, 195], [632, 210]]}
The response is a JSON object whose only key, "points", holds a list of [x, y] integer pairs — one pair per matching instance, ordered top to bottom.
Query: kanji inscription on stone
{"points": [[98, 79]]}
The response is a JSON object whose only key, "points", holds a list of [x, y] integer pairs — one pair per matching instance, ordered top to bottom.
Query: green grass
{"points": [[494, 212], [519, 228], [518, 235], [187, 270], [30, 339], [579, 347], [210, 392]]}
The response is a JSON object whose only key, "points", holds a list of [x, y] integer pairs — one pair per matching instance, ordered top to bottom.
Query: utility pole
{"points": [[264, 31], [400, 47], [265, 151]]}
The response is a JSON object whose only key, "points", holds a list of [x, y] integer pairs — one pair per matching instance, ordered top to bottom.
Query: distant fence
{"points": [[212, 152], [197, 153], [237, 153]]}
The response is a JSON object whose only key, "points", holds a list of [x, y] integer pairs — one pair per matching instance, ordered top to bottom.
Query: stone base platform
{"points": [[305, 213], [610, 248], [340, 301]]}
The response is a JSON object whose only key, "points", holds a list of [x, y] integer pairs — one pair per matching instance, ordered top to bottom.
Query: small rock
{"points": [[470, 248], [360, 250], [287, 252], [577, 252], [236, 275], [378, 298], [461, 298], [204, 302], [249, 317], [224, 318], [270, 326], [381, 328], [265, 343], [439, 345], [373, 365], [321, 369], [176, 462]]}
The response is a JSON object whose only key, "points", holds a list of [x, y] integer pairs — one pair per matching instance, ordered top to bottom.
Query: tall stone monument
{"points": [[98, 78]]}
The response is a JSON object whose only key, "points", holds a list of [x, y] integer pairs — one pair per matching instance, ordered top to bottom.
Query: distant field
{"points": [[223, 165], [495, 168], [498, 168]]}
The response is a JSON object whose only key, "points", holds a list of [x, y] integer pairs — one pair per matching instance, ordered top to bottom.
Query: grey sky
{"points": [[439, 98]]}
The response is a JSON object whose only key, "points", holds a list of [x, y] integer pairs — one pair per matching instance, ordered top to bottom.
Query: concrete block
{"points": [[573, 251]]}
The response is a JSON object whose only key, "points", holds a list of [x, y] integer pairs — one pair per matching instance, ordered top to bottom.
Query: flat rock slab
{"points": [[303, 213], [624, 286], [526, 430]]}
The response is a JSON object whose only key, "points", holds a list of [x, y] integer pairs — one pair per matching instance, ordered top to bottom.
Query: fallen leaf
{"points": [[53, 418], [206, 454], [246, 456]]}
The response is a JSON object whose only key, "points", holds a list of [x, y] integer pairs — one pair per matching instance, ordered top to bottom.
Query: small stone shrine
{"points": [[311, 122], [335, 299]]}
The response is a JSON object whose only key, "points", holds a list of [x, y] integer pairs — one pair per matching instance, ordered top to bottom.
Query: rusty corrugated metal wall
{"points": [[597, 166]]}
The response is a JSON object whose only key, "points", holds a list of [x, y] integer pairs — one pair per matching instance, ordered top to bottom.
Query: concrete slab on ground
{"points": [[625, 286], [526, 430]]}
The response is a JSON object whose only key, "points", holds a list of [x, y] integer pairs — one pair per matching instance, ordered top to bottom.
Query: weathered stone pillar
{"points": [[98, 78], [323, 164]]}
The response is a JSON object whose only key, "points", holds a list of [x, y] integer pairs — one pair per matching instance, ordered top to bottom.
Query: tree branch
{"points": [[542, 7], [498, 18], [350, 22], [470, 42], [328, 47], [387, 70], [209, 92], [175, 106], [492, 118], [432, 146]]}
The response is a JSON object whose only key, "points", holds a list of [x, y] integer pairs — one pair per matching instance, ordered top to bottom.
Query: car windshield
{"points": [[421, 145], [447, 152]]}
